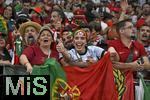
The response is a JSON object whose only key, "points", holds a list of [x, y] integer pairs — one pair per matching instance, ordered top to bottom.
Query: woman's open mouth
{"points": [[46, 40], [79, 46]]}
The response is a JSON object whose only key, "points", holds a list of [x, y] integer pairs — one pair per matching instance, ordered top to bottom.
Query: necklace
{"points": [[49, 53]]}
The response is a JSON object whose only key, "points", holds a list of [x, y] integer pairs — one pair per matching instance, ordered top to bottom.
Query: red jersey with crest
{"points": [[123, 51]]}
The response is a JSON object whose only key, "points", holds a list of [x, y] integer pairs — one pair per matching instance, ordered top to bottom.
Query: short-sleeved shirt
{"points": [[91, 51], [123, 51], [36, 56]]}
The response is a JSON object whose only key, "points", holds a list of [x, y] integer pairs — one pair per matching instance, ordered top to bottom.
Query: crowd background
{"points": [[99, 15], [98, 18]]}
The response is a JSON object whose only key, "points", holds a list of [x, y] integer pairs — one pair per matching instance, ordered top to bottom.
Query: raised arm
{"points": [[124, 6], [61, 49]]}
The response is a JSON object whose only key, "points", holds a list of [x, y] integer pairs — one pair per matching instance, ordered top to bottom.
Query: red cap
{"points": [[38, 9], [116, 9], [140, 22]]}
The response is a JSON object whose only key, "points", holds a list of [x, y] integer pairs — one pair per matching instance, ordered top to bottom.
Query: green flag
{"points": [[18, 46], [51, 67], [146, 87]]}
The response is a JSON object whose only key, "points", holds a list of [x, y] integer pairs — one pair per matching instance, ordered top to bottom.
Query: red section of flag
{"points": [[16, 60], [95, 82]]}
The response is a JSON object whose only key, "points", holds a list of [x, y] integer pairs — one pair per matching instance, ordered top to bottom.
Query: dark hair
{"points": [[26, 1], [145, 4], [75, 5], [89, 6], [13, 11], [60, 13], [21, 18], [121, 24], [84, 25], [96, 26], [67, 28]]}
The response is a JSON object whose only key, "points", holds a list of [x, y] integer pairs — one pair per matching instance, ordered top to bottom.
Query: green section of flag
{"points": [[18, 7], [19, 47], [51, 67], [146, 86]]}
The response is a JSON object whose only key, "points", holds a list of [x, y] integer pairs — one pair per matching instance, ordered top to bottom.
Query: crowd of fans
{"points": [[75, 32]]}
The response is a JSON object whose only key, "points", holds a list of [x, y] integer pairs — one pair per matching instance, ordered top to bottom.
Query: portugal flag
{"points": [[95, 82]]}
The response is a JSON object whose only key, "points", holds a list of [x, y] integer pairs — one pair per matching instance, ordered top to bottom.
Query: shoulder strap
{"points": [[130, 56]]}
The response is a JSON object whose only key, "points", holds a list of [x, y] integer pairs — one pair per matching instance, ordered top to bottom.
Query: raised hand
{"points": [[124, 5], [60, 47]]}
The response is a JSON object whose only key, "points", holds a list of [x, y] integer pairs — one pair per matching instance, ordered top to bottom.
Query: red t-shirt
{"points": [[124, 51], [36, 56]]}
